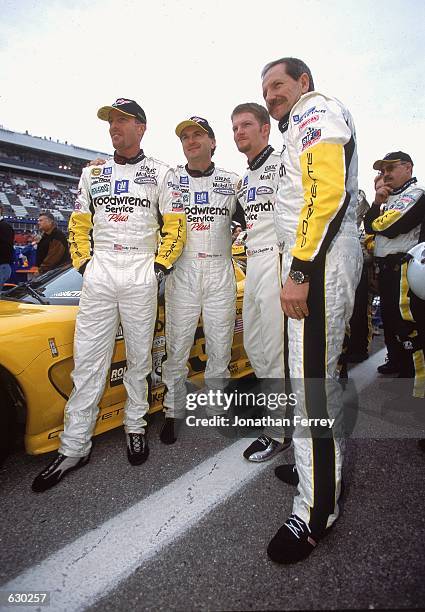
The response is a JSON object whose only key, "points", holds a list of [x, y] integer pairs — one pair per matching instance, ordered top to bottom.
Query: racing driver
{"points": [[113, 235], [321, 266], [203, 280], [262, 314]]}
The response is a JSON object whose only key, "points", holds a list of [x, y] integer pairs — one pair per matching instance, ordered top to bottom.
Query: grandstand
{"points": [[38, 174]]}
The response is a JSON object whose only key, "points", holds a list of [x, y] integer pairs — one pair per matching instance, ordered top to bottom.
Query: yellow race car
{"points": [[36, 359]]}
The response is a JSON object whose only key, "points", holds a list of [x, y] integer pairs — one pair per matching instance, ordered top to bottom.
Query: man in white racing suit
{"points": [[396, 218], [114, 236], [321, 266], [203, 281], [262, 314]]}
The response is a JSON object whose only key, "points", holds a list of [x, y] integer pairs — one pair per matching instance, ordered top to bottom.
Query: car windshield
{"points": [[60, 286]]}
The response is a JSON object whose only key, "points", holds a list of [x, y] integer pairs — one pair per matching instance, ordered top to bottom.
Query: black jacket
{"points": [[7, 236]]}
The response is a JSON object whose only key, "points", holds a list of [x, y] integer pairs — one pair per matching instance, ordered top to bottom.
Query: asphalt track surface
{"points": [[189, 529]]}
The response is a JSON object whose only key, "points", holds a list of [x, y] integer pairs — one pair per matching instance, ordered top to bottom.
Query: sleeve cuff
{"points": [[306, 267]]}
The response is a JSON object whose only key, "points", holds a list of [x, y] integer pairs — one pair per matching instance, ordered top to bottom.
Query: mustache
{"points": [[275, 102]]}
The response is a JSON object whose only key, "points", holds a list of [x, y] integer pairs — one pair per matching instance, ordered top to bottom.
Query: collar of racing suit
{"points": [[284, 122], [118, 159], [259, 159], [198, 173], [405, 185]]}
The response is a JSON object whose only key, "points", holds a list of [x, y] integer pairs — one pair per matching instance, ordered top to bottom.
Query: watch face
{"points": [[297, 277]]}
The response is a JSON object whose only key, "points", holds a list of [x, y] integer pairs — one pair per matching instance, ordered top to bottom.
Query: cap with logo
{"points": [[124, 106], [196, 122], [397, 156]]}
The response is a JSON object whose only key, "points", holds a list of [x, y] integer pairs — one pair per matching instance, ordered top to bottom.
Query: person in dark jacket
{"points": [[7, 236], [52, 250]]}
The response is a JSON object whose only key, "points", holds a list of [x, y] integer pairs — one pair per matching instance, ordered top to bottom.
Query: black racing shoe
{"points": [[388, 368], [168, 433], [137, 448], [265, 448], [56, 470], [287, 473], [292, 543]]}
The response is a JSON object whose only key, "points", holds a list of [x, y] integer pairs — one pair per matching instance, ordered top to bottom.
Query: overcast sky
{"points": [[61, 60]]}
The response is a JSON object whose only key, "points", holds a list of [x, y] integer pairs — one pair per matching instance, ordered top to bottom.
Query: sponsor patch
{"points": [[310, 111], [307, 122], [311, 137], [96, 171], [107, 171], [145, 180], [184, 180], [245, 180], [121, 187], [100, 189], [224, 190], [263, 190], [251, 194], [201, 197], [78, 205], [177, 207], [70, 294], [120, 334], [53, 347], [117, 372]]}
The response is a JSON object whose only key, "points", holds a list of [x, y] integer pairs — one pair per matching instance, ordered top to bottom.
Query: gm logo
{"points": [[107, 171], [184, 180], [245, 180], [121, 187], [251, 194], [201, 197]]}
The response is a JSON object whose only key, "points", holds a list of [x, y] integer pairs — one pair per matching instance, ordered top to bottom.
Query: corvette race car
{"points": [[37, 323]]}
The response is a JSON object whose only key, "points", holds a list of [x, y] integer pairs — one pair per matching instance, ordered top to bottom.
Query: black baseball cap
{"points": [[124, 106], [195, 121], [397, 156]]}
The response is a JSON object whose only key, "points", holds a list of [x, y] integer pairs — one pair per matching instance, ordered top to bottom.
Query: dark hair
{"points": [[294, 67], [259, 112], [48, 215]]}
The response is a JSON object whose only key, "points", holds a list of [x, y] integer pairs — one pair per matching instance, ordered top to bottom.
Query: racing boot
{"points": [[137, 448], [265, 448], [56, 470], [287, 473], [292, 543]]}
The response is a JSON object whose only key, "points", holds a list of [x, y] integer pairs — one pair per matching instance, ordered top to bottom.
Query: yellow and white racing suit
{"points": [[316, 223], [115, 228]]}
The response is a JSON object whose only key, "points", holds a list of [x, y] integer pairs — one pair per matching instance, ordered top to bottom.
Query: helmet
{"points": [[416, 270]]}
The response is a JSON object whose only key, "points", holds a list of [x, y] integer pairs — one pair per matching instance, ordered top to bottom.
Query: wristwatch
{"points": [[298, 277]]}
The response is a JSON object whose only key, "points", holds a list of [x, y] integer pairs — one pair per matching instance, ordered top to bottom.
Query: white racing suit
{"points": [[316, 221], [115, 227], [399, 227], [203, 281], [262, 314]]}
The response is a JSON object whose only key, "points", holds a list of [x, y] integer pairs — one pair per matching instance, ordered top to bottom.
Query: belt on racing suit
{"points": [[390, 261]]}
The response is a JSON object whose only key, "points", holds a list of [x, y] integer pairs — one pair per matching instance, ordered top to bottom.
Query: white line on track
{"points": [[94, 564], [85, 570]]}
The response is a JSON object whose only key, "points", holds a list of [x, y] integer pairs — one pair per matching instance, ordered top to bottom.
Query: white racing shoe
{"points": [[265, 448]]}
